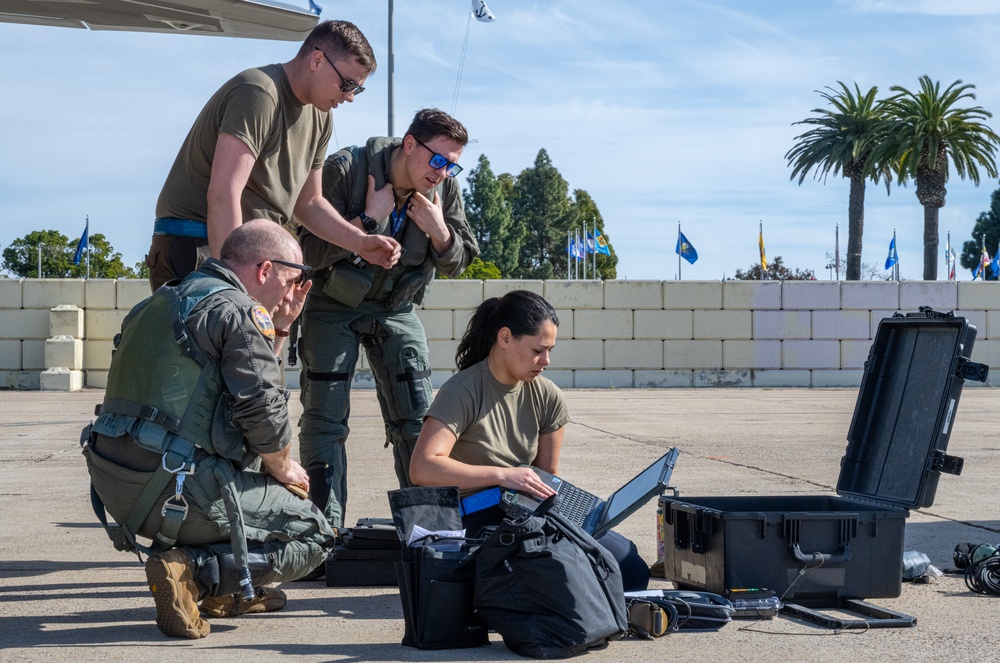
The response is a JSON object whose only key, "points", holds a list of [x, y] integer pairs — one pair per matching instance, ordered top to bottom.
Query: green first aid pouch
{"points": [[348, 284]]}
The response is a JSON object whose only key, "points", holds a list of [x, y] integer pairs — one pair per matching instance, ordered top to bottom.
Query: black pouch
{"points": [[348, 284]]}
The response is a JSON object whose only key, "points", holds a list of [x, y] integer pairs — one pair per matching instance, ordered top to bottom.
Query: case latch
{"points": [[971, 370], [946, 464]]}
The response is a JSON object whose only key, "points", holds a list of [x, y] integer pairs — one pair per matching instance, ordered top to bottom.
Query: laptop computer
{"points": [[594, 515]]}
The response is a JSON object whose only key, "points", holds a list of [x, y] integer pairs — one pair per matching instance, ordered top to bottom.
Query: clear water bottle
{"points": [[915, 564]]}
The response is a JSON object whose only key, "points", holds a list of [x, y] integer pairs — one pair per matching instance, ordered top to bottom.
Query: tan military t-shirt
{"points": [[289, 141], [496, 424]]}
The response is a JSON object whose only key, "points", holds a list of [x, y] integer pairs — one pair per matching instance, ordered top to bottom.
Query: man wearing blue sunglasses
{"points": [[403, 188]]}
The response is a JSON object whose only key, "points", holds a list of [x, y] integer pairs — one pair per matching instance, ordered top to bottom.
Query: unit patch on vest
{"points": [[262, 320]]}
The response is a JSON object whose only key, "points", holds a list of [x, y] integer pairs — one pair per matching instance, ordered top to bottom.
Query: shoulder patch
{"points": [[262, 320]]}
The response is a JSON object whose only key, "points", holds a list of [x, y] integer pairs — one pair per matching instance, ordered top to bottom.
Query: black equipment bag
{"points": [[548, 588]]}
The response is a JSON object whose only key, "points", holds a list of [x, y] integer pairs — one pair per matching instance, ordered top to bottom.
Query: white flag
{"points": [[482, 12]]}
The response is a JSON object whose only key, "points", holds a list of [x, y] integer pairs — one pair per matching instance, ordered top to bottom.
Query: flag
{"points": [[314, 8], [482, 12], [588, 243], [601, 244], [82, 246], [684, 248], [575, 249], [763, 256], [893, 257], [951, 269], [994, 272]]}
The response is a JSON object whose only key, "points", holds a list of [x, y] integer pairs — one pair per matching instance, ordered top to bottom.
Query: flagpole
{"points": [[391, 66], [88, 246], [569, 247], [583, 248], [595, 248], [836, 254], [895, 254], [947, 258], [679, 277]]}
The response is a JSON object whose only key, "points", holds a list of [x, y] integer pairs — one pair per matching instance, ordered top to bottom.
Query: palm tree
{"points": [[924, 132], [842, 141]]}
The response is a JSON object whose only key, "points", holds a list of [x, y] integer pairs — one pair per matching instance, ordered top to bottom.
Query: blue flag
{"points": [[314, 8], [601, 243], [82, 246], [684, 248], [893, 257], [994, 268]]}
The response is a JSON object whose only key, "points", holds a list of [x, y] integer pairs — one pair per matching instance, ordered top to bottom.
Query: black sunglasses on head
{"points": [[305, 269]]}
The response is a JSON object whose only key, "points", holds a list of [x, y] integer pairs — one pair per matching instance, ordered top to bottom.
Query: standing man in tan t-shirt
{"points": [[257, 150]]}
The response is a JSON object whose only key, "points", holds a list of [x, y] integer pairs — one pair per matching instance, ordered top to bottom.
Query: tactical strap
{"points": [[413, 376], [327, 377], [140, 411]]}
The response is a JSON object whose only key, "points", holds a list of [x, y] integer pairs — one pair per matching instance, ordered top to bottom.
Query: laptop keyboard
{"points": [[575, 504]]}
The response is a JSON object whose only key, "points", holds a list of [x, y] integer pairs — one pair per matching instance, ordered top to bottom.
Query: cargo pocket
{"points": [[413, 381], [118, 487]]}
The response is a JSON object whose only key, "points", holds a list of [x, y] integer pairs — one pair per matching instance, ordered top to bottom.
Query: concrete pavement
{"points": [[66, 594]]}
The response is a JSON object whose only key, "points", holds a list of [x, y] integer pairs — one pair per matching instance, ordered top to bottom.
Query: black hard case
{"points": [[849, 546]]}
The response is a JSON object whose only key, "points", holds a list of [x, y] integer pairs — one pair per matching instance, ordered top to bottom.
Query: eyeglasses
{"points": [[346, 85], [437, 161], [305, 269]]}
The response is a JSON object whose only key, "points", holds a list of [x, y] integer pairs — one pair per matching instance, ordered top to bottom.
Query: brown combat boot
{"points": [[176, 595], [268, 599]]}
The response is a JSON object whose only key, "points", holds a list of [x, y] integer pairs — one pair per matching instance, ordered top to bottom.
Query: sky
{"points": [[666, 113]]}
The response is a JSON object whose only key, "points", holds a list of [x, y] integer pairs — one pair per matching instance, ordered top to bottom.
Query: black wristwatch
{"points": [[369, 224]]}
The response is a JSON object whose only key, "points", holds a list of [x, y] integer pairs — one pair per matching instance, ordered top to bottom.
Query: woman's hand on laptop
{"points": [[524, 480]]}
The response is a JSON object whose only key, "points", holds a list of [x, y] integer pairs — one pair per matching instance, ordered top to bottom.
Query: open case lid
{"points": [[906, 409]]}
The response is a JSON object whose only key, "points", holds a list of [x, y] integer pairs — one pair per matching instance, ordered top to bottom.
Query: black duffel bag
{"points": [[548, 588]]}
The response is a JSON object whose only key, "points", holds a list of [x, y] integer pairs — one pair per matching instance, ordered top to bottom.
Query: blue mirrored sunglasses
{"points": [[438, 162]]}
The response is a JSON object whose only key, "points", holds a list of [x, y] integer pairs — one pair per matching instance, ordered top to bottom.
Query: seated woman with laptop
{"points": [[498, 415]]}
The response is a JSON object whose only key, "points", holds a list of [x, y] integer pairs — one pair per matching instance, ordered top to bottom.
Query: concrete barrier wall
{"points": [[612, 334]]}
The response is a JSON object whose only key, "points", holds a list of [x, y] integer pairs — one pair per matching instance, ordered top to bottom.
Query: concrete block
{"points": [[500, 287], [129, 292], [10, 293], [48, 293], [100, 293], [453, 293], [575, 294], [633, 294], [977, 294], [692, 295], [754, 295], [810, 295], [870, 295], [941, 295], [876, 319], [66, 320], [978, 320], [25, 323], [103, 323], [438, 323], [460, 323], [602, 324], [663, 324], [782, 324], [850, 324], [723, 325], [992, 325], [566, 328], [64, 352], [987, 352], [97, 354], [442, 354], [576, 354], [633, 354], [692, 354], [751, 354], [810, 354], [853, 354], [10, 355], [33, 355], [292, 378], [438, 378], [720, 378], [783, 378], [847, 378], [61, 379], [95, 379], [562, 379], [587, 379], [663, 379], [23, 380], [363, 380]]}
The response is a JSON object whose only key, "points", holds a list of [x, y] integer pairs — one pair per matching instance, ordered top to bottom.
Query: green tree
{"points": [[925, 131], [841, 141], [540, 203], [489, 212], [583, 212], [988, 226], [21, 257], [481, 271], [776, 271]]}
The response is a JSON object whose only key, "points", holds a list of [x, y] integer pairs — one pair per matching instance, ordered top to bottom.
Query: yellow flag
{"points": [[763, 256]]}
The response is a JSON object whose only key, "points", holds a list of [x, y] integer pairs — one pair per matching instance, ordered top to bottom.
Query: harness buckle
{"points": [[186, 467], [176, 503]]}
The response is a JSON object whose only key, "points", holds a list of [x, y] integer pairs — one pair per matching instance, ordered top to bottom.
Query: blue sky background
{"points": [[669, 112]]}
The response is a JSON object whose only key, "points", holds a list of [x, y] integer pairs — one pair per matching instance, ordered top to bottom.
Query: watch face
{"points": [[369, 224]]}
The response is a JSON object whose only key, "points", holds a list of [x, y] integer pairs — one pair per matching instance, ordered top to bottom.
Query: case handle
{"points": [[970, 370], [947, 464], [818, 558]]}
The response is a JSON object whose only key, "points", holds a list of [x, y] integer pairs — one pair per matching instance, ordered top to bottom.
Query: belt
{"points": [[180, 227]]}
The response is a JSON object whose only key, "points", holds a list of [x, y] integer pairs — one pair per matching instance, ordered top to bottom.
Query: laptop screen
{"points": [[634, 491]]}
